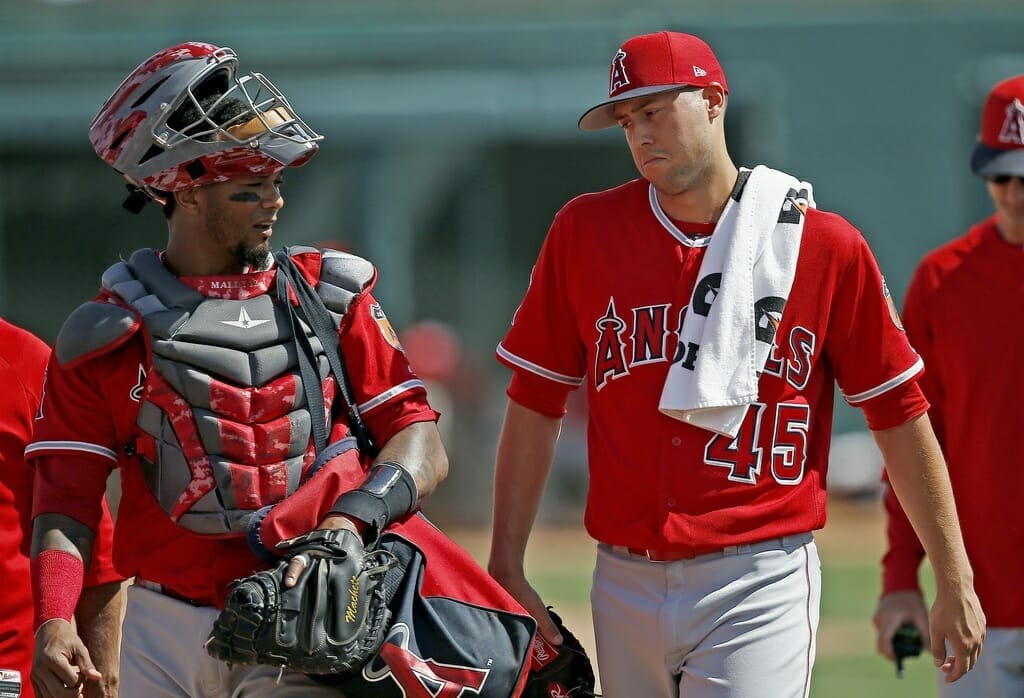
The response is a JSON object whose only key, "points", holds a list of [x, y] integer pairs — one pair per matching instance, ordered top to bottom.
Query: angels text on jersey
{"points": [[649, 334]]}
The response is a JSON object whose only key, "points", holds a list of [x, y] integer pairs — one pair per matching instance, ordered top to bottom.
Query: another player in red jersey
{"points": [[708, 311], [960, 313], [23, 358], [196, 371]]}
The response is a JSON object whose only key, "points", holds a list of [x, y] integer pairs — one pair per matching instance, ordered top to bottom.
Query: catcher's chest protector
{"points": [[223, 427]]}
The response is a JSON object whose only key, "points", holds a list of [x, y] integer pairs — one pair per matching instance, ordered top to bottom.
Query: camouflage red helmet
{"points": [[185, 118]]}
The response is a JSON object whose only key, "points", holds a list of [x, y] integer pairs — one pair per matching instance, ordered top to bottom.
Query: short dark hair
{"points": [[206, 94], [188, 114]]}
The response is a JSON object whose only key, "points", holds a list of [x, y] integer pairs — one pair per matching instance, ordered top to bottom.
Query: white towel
{"points": [[754, 248]]}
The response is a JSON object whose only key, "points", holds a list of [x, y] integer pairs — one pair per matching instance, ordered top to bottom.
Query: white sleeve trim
{"points": [[538, 370], [886, 386], [388, 394], [71, 446]]}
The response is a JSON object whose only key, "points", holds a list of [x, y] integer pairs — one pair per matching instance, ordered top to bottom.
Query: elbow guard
{"points": [[387, 494]]}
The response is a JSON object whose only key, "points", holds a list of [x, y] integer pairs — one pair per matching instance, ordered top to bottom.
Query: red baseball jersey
{"points": [[603, 310], [962, 313], [23, 358], [89, 414]]}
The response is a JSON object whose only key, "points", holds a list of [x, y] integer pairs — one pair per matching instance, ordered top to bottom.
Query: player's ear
{"points": [[715, 99], [187, 199]]}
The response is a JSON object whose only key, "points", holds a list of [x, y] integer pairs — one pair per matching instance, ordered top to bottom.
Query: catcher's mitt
{"points": [[331, 622], [559, 672]]}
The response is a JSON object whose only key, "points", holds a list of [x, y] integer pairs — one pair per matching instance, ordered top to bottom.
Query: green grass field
{"points": [[559, 563]]}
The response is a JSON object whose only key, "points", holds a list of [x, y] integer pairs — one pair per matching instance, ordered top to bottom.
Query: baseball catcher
{"points": [[214, 375]]}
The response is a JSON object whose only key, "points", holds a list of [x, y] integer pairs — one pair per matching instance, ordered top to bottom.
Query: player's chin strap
{"points": [[139, 195]]}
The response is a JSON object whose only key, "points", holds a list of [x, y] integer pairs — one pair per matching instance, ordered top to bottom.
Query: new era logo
{"points": [[699, 72]]}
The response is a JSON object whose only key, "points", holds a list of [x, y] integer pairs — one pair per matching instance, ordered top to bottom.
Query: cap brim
{"points": [[601, 116], [986, 161]]}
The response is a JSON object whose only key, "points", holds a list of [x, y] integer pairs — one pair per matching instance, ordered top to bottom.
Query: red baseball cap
{"points": [[652, 63], [1000, 148]]}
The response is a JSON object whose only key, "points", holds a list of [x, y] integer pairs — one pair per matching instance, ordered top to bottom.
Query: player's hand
{"points": [[332, 522], [528, 598], [895, 609], [957, 619], [61, 665], [104, 688]]}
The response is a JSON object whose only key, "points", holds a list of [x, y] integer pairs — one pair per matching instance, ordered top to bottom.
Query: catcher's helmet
{"points": [[185, 118]]}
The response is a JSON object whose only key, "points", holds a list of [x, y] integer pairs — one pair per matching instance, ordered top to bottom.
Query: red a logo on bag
{"points": [[418, 677]]}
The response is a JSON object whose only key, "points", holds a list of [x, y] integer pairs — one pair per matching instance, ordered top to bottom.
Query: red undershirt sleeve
{"points": [[71, 485], [904, 554], [101, 567]]}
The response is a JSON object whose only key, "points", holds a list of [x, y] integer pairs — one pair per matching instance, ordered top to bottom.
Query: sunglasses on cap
{"points": [[1005, 179]]}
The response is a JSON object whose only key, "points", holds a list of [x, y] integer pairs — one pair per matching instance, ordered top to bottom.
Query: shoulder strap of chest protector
{"points": [[313, 310]]}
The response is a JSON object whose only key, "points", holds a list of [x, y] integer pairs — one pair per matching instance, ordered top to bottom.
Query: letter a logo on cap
{"points": [[619, 78], [1013, 128]]}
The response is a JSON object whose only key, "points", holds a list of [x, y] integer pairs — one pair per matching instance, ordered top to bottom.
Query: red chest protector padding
{"points": [[223, 427]]}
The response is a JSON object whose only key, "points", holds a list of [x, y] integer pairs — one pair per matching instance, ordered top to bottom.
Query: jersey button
{"points": [[676, 441], [670, 502]]}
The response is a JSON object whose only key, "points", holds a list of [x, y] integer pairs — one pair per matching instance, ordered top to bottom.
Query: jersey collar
{"points": [[668, 225]]}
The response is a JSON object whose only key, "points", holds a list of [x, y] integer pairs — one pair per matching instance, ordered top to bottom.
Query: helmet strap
{"points": [[139, 196], [136, 200]]}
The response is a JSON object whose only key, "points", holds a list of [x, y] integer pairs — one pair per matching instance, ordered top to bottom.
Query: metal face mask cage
{"points": [[267, 122]]}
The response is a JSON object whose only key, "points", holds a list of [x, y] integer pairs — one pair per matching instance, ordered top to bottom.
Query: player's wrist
{"points": [[388, 493], [335, 520], [254, 536], [506, 569], [953, 575], [953, 586], [47, 623]]}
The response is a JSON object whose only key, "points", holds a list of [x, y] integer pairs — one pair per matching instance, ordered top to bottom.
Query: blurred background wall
{"points": [[451, 141]]}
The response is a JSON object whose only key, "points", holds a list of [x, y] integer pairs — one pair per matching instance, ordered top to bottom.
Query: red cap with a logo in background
{"points": [[652, 63], [1000, 149]]}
